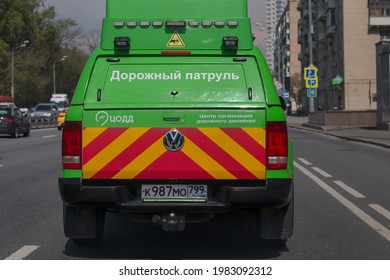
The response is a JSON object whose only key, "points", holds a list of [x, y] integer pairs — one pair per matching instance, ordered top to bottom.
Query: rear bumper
{"points": [[7, 128], [221, 198]]}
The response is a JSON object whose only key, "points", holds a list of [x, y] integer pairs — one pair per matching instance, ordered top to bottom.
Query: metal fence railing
{"points": [[42, 122]]}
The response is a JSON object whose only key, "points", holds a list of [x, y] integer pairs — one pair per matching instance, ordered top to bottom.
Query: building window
{"points": [[380, 8], [331, 17]]}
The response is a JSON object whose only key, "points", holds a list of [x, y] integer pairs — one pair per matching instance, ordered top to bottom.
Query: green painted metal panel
{"points": [[176, 8], [145, 23], [193, 38], [175, 82], [174, 118]]}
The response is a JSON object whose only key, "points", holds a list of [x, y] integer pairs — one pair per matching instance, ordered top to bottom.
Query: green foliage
{"points": [[49, 39]]}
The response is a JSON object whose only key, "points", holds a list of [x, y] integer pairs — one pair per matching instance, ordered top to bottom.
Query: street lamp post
{"points": [[310, 38], [19, 46], [54, 71]]}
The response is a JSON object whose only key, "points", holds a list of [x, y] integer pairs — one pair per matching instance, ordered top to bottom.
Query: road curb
{"points": [[348, 138]]}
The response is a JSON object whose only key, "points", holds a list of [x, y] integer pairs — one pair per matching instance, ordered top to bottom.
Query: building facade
{"points": [[274, 10], [379, 13], [343, 50], [287, 67]]}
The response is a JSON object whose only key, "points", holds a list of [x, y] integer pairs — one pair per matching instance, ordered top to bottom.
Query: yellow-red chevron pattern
{"points": [[208, 153]]}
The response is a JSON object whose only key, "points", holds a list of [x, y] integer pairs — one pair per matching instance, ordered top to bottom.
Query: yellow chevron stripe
{"points": [[89, 134], [257, 134], [112, 151], [236, 151], [142, 161], [205, 161]]}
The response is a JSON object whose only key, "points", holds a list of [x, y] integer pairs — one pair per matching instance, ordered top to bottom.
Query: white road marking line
{"points": [[49, 136], [304, 161], [322, 172], [348, 189], [385, 213], [375, 225], [22, 253]]}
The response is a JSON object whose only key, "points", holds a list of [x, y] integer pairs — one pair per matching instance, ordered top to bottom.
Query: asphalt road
{"points": [[342, 210]]}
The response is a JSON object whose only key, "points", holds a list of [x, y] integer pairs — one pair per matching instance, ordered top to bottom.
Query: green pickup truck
{"points": [[176, 119]]}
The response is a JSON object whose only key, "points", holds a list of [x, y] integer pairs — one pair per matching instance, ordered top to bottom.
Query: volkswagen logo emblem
{"points": [[173, 140]]}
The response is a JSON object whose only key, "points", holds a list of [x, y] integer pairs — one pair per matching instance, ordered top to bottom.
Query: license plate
{"points": [[174, 192]]}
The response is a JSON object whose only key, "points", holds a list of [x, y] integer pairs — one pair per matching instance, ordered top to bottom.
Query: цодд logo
{"points": [[173, 140]]}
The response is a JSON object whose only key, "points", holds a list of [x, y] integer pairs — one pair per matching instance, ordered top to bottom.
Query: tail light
{"points": [[8, 120], [71, 145], [277, 145]]}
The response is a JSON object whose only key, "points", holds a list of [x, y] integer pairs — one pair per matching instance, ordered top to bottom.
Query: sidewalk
{"points": [[369, 135]]}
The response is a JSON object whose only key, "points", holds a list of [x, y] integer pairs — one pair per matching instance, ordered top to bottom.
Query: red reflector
{"points": [[176, 52], [8, 120], [71, 145], [277, 145]]}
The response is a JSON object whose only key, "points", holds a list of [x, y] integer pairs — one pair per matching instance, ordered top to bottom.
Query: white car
{"points": [[7, 104]]}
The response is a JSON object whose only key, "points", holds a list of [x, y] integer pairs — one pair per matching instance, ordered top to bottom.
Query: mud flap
{"points": [[82, 223], [276, 223]]}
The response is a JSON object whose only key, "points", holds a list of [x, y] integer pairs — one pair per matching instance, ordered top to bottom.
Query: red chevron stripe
{"points": [[101, 142], [247, 142], [130, 153], [218, 154], [175, 165]]}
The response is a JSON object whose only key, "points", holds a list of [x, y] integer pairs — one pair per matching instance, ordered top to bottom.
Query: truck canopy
{"points": [[191, 24], [175, 82]]}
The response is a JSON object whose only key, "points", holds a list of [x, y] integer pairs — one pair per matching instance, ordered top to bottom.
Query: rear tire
{"points": [[16, 133], [27, 133], [84, 225]]}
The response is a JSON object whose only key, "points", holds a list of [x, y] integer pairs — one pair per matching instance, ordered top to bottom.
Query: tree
{"points": [[49, 39], [93, 40]]}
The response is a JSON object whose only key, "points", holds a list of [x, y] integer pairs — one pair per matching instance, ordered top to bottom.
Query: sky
{"points": [[90, 18]]}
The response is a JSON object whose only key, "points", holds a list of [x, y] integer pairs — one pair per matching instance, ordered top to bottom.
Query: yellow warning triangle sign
{"points": [[175, 41]]}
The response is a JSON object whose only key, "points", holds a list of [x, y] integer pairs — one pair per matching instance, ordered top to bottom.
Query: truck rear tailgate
{"points": [[170, 118], [204, 152]]}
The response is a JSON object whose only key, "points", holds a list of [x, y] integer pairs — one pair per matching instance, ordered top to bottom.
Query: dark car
{"points": [[13, 122]]}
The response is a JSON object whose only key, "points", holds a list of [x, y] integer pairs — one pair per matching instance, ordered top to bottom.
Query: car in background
{"points": [[7, 104], [62, 105], [45, 110], [61, 119], [13, 122]]}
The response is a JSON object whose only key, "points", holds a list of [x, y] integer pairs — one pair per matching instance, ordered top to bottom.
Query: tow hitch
{"points": [[170, 222]]}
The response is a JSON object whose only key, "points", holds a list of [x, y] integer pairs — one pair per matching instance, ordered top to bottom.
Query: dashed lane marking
{"points": [[49, 136], [304, 161], [322, 172], [350, 190], [385, 213], [375, 225], [22, 253]]}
